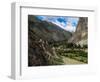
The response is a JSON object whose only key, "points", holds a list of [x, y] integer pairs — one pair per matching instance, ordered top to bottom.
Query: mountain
{"points": [[47, 30], [40, 34], [81, 34]]}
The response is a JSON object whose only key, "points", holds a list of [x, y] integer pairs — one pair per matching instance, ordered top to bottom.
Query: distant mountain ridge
{"points": [[47, 30]]}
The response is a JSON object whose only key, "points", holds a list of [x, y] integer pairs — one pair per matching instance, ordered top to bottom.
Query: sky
{"points": [[66, 22]]}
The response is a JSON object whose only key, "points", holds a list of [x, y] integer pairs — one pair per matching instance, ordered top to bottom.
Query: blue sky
{"points": [[66, 22]]}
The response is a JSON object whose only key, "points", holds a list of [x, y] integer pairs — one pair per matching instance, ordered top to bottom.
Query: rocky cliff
{"points": [[81, 34]]}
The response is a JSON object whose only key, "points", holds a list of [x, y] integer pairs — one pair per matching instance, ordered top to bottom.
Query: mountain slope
{"points": [[47, 30], [40, 33]]}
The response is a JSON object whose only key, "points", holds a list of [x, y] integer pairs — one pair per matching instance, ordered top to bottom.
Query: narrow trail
{"points": [[69, 61]]}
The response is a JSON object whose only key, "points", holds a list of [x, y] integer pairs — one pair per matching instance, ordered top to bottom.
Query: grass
{"points": [[71, 50], [77, 55]]}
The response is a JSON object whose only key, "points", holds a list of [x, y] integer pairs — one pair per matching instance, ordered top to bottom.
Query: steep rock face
{"points": [[81, 34]]}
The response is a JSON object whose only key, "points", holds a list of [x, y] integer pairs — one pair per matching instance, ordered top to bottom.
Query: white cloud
{"points": [[68, 27], [71, 28]]}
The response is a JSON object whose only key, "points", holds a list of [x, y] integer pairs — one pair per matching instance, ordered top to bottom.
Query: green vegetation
{"points": [[71, 50]]}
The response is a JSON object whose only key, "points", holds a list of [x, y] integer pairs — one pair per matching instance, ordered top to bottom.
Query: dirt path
{"points": [[71, 61]]}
